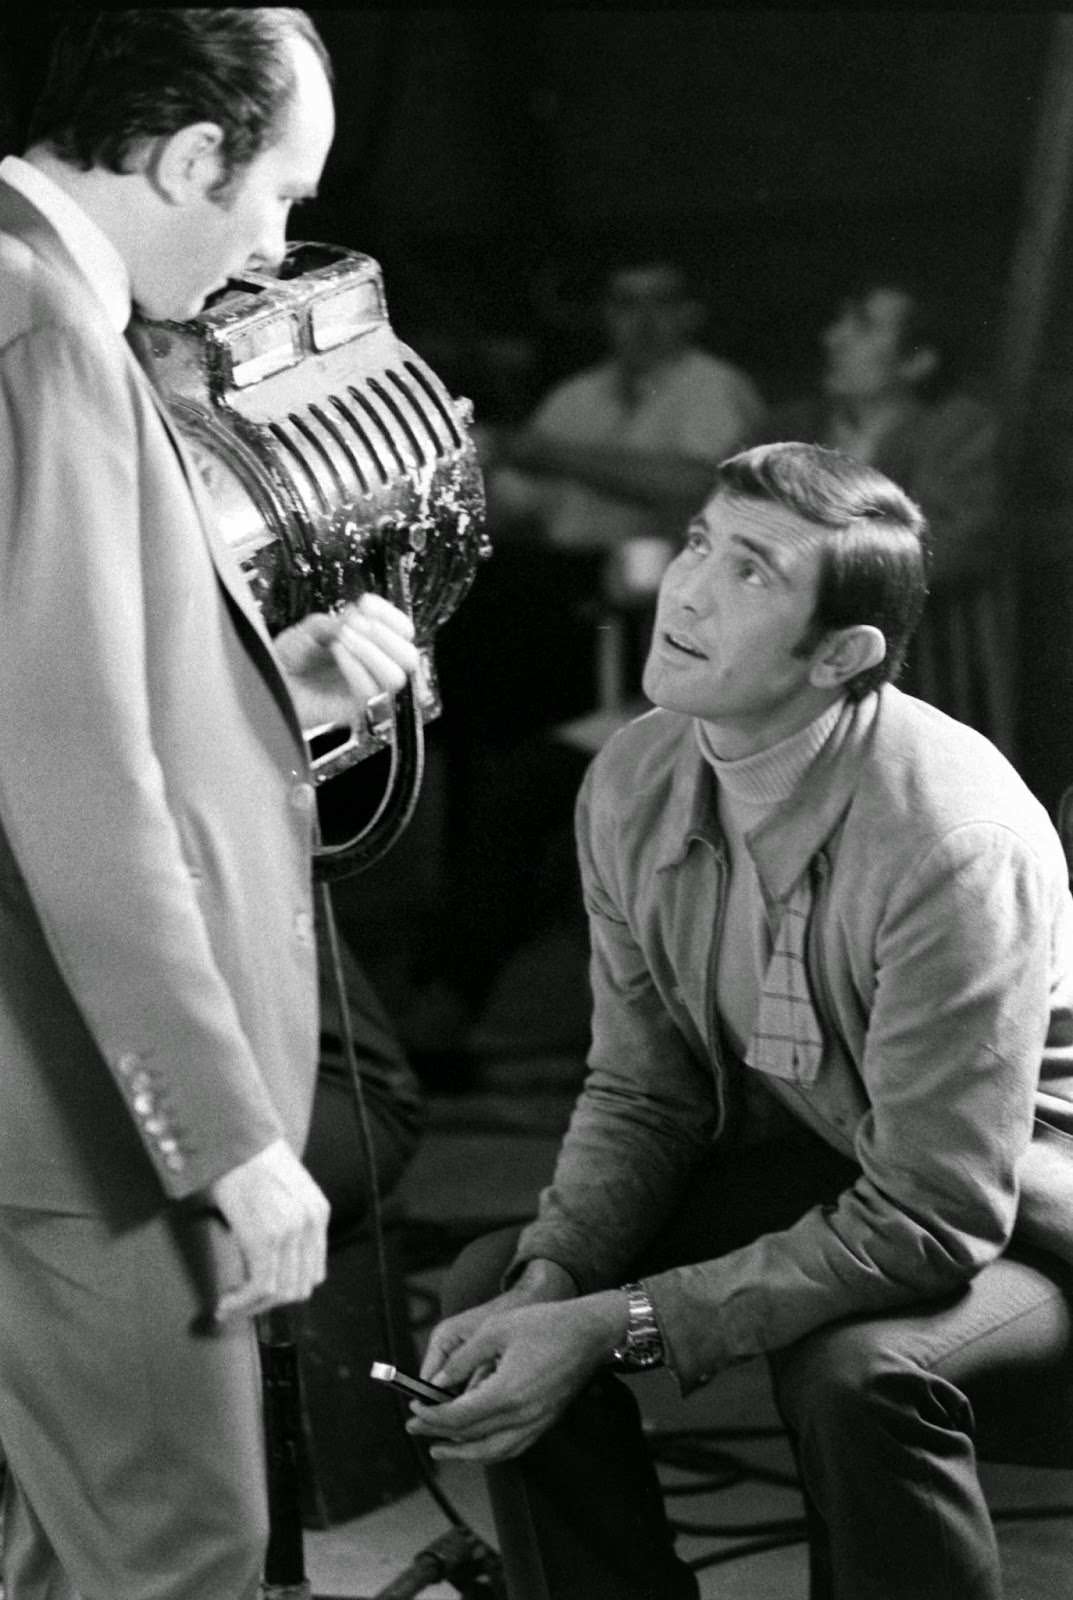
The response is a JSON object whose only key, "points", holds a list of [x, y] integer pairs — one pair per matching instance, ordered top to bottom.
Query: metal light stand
{"points": [[457, 1556]]}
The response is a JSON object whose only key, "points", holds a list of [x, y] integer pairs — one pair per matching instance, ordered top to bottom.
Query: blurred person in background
{"points": [[889, 395], [626, 448]]}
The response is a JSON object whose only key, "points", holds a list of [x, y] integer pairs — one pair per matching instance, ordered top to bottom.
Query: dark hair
{"points": [[118, 77], [640, 260], [931, 322], [873, 561]]}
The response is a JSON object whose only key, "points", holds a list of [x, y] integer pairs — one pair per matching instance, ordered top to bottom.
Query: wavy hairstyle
{"points": [[873, 561]]}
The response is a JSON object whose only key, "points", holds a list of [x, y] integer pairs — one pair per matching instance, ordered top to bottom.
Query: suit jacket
{"points": [[158, 1012]]}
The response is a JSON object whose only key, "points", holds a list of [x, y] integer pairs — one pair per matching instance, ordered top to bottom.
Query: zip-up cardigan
{"points": [[940, 962]]}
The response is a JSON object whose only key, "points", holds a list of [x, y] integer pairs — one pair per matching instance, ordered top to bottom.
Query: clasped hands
{"points": [[519, 1364]]}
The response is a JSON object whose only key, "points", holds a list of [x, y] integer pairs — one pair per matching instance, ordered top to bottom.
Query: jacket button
{"points": [[303, 797], [303, 927], [128, 1063]]}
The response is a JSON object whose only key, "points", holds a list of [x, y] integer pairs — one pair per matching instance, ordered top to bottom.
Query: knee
{"points": [[477, 1275], [847, 1383]]}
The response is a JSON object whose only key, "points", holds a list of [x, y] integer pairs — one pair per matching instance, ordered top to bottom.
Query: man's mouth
{"points": [[678, 641]]}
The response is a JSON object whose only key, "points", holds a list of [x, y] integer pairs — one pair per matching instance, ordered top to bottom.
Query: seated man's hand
{"points": [[335, 664], [279, 1218], [539, 1281], [519, 1366]]}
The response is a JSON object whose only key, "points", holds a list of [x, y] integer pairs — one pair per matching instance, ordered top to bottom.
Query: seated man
{"points": [[889, 396], [832, 963]]}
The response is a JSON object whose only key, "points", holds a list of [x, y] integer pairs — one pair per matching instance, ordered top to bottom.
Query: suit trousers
{"points": [[880, 1411], [131, 1430]]}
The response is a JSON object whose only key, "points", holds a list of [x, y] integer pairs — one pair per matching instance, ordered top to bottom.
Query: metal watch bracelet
{"points": [[642, 1349]]}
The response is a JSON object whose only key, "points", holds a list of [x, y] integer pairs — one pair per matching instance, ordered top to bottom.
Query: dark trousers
{"points": [[880, 1412]]}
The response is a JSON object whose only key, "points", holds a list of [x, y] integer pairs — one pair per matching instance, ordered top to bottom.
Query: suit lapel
{"points": [[21, 218]]}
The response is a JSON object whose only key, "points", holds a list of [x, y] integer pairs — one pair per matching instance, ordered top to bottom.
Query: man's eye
{"points": [[696, 542], [749, 572]]}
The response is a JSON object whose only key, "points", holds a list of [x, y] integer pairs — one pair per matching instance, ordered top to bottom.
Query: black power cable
{"points": [[459, 1557]]}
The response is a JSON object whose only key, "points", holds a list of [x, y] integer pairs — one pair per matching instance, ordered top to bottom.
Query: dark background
{"points": [[493, 161]]}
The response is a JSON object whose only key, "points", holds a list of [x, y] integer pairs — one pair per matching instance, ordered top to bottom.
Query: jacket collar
{"points": [[21, 217], [89, 248], [787, 840]]}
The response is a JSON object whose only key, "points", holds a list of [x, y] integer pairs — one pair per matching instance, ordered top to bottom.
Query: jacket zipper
{"points": [[821, 993], [710, 1020]]}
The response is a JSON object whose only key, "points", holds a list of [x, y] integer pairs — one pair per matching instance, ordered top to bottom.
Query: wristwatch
{"points": [[642, 1348]]}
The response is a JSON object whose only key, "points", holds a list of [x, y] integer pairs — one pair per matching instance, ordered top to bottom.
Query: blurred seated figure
{"points": [[888, 397], [626, 448], [623, 452], [620, 454], [335, 1152]]}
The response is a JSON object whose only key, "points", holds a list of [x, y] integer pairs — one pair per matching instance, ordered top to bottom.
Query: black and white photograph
{"points": [[536, 803]]}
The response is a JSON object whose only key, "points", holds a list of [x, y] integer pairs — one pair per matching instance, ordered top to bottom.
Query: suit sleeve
{"points": [[82, 794]]}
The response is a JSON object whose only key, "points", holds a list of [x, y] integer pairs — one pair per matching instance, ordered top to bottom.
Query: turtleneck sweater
{"points": [[747, 791]]}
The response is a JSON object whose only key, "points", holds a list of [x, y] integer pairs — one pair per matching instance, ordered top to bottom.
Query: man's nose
{"points": [[270, 252], [694, 592]]}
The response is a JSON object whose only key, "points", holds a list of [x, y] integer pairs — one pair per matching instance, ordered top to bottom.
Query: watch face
{"points": [[639, 1354]]}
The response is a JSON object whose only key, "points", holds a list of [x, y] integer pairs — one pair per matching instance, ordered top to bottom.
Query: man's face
{"points": [[245, 228], [649, 317], [865, 359], [734, 605]]}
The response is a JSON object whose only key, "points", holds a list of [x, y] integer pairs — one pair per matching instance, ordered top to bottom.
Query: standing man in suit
{"points": [[158, 1019]]}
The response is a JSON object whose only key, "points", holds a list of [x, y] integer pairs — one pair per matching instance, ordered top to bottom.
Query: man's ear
{"points": [[183, 166], [920, 365], [845, 653]]}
